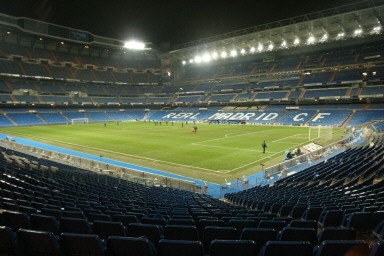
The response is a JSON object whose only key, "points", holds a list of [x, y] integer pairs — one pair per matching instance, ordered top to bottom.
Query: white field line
{"points": [[228, 137], [286, 137], [244, 149], [125, 154], [267, 157]]}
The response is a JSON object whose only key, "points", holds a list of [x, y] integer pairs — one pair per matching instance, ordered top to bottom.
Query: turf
{"points": [[214, 153]]}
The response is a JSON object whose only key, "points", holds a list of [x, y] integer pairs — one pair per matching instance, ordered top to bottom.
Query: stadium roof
{"points": [[340, 23]]}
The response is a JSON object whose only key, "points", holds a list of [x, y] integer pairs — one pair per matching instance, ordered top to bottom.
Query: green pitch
{"points": [[214, 153]]}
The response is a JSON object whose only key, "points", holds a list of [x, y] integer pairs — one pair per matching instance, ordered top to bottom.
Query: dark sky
{"points": [[161, 21]]}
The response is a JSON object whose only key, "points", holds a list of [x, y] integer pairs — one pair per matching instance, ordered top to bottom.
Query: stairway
{"points": [[21, 67], [332, 78], [9, 85], [302, 94], [10, 119], [41, 119], [346, 121]]}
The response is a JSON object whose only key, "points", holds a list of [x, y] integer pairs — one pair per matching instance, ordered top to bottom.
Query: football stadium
{"points": [[262, 141]]}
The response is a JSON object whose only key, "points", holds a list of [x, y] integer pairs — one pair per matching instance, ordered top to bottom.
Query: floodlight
{"points": [[376, 29], [357, 32], [340, 35], [324, 38], [311, 40], [296, 41], [283, 44], [134, 45], [260, 47], [270, 47], [252, 50], [243, 51], [233, 53], [224, 54], [215, 55], [206, 57], [197, 59], [191, 61], [184, 62], [169, 73], [365, 73], [374, 73]]}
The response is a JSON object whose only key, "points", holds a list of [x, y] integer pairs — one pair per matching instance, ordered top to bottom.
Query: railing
{"points": [[281, 168], [141, 177]]}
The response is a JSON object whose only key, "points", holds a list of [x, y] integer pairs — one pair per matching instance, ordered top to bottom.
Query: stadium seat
{"points": [[125, 219], [15, 220], [183, 222], [44, 223], [273, 224], [303, 224], [78, 226], [104, 229], [152, 232], [179, 232], [221, 233], [298, 234], [337, 234], [259, 235], [7, 241], [37, 243], [81, 244], [121, 246], [180, 247], [232, 247], [273, 248], [342, 248]]}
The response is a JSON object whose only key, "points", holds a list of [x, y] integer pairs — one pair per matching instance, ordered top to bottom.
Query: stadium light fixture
{"points": [[376, 29], [9, 32], [357, 32], [340, 35], [324, 38], [40, 39], [311, 39], [296, 41], [62, 43], [284, 44], [134, 45], [271, 46], [260, 48], [252, 50], [243, 51], [233, 53], [224, 54], [215, 55], [206, 57], [197, 59], [191, 61], [183, 62], [374, 73]]}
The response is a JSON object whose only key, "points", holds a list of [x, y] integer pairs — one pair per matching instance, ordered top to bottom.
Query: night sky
{"points": [[162, 21]]}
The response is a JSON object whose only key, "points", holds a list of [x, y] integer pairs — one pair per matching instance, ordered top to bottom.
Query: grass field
{"points": [[214, 153]]}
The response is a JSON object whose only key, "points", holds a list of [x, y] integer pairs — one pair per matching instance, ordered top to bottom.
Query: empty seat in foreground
{"points": [[71, 225], [104, 229], [178, 232], [337, 234], [7, 240], [37, 243], [81, 244], [122, 246], [180, 247], [232, 247], [286, 248], [342, 248]]}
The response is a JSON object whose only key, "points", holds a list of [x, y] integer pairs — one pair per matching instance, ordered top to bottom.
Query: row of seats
{"points": [[33, 243]]}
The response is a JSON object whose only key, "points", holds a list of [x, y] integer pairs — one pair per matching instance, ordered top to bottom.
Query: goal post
{"points": [[79, 121], [323, 133]]}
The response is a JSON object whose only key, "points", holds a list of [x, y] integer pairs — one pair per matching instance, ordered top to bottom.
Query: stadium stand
{"points": [[331, 207]]}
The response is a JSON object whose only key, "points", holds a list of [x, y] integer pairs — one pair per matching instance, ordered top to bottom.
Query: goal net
{"points": [[79, 121], [322, 133]]}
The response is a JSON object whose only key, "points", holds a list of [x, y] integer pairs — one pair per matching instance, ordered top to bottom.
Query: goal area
{"points": [[79, 121], [323, 133]]}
